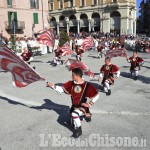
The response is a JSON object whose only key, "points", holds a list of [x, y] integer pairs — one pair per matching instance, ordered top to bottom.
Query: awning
{"points": [[73, 22], [95, 22], [52, 23], [62, 23], [84, 23], [115, 23]]}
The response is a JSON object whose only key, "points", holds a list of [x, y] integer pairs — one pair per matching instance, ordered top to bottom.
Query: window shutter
{"points": [[9, 2], [15, 15], [35, 17], [9, 18]]}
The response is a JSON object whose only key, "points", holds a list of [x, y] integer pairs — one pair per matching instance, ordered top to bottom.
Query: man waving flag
{"points": [[87, 43], [65, 49], [116, 53], [72, 64], [22, 73]]}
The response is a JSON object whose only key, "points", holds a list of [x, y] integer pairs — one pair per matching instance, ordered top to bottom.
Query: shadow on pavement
{"points": [[37, 61], [125, 66], [146, 67], [141, 78], [10, 101], [62, 110]]}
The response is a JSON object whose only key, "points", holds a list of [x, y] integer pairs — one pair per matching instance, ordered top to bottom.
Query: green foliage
{"points": [[63, 38]]}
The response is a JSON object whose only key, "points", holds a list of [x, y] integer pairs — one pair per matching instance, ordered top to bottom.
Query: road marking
{"points": [[125, 113]]}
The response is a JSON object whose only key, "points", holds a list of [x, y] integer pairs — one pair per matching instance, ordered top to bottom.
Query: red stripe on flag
{"points": [[46, 38], [22, 73]]}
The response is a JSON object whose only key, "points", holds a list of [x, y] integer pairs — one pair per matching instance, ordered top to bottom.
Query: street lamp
{"points": [[14, 25]]}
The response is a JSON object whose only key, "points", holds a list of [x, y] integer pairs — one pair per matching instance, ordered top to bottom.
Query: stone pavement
{"points": [[29, 115]]}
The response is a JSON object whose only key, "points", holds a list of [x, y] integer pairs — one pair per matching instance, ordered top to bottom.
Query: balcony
{"points": [[113, 5], [69, 10], [20, 25]]}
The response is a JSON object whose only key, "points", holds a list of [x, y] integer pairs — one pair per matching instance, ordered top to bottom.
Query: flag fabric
{"points": [[46, 38], [87, 43], [102, 44], [65, 49], [147, 50], [116, 53], [72, 64], [22, 73]]}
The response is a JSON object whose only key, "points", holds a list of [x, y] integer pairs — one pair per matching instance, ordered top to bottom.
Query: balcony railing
{"points": [[114, 4], [69, 10], [20, 25]]}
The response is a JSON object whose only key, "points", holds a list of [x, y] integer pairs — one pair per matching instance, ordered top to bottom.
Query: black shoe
{"points": [[54, 65], [34, 68], [136, 77], [109, 92], [88, 119], [77, 132]]}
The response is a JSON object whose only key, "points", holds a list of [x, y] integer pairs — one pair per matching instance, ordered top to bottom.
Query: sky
{"points": [[137, 5]]}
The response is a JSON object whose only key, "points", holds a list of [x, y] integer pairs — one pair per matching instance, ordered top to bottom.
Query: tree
{"points": [[63, 38]]}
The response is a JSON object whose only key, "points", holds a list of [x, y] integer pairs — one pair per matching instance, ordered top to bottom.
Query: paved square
{"points": [[28, 115]]}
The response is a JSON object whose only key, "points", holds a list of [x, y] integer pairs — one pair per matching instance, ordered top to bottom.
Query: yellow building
{"points": [[117, 16]]}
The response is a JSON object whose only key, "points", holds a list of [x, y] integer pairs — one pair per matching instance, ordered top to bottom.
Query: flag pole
{"points": [[53, 87]]}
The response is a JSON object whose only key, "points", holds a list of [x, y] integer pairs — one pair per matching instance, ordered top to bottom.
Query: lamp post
{"points": [[14, 23]]}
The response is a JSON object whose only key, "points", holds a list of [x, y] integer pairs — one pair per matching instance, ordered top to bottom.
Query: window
{"points": [[95, 2], [9, 3], [71, 3], [82, 3], [34, 4], [51, 4], [61, 4], [12, 17], [35, 18]]}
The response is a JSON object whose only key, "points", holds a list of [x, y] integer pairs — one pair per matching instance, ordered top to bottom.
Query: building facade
{"points": [[116, 16], [23, 17], [144, 18]]}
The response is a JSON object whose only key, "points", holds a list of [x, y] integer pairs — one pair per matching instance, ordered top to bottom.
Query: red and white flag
{"points": [[46, 38], [87, 43], [102, 44], [65, 49], [147, 50], [117, 52], [72, 64], [22, 74]]}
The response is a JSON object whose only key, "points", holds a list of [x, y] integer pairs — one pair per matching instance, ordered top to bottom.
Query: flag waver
{"points": [[46, 38], [87, 43], [65, 49], [147, 50], [116, 53], [72, 64], [22, 74]]}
